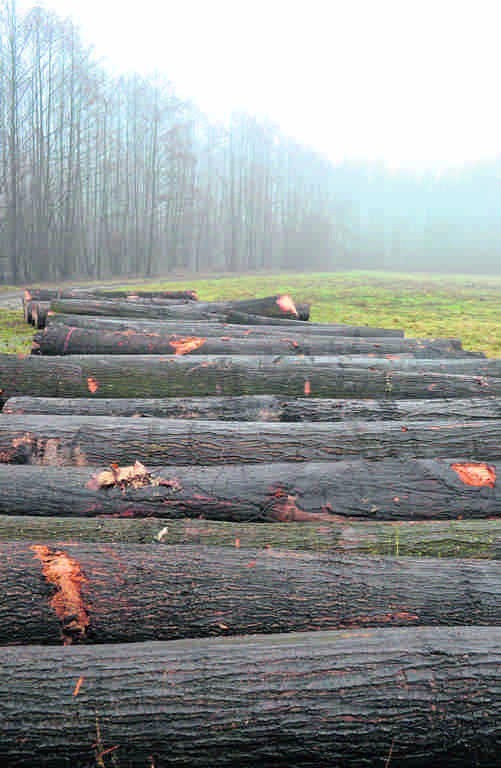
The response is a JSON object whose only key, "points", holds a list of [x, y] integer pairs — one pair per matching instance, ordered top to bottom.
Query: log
{"points": [[185, 294], [279, 306], [303, 311], [238, 317], [216, 326], [71, 340], [177, 375], [261, 408], [90, 440], [389, 489], [480, 539], [75, 593], [417, 696]]}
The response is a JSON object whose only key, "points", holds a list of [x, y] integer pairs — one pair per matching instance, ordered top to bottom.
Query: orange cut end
{"points": [[286, 304], [183, 346], [92, 384], [307, 388], [476, 473]]}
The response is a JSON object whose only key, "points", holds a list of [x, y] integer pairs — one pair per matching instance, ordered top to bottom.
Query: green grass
{"points": [[462, 306], [15, 334]]}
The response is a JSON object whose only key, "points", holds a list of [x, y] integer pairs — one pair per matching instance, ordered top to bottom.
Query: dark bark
{"points": [[189, 295], [269, 307], [36, 313], [234, 316], [214, 325], [71, 340], [175, 375], [261, 408], [89, 440], [390, 489], [479, 539], [104, 593], [423, 697]]}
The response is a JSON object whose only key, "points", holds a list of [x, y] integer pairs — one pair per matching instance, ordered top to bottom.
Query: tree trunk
{"points": [[188, 295], [269, 307], [237, 317], [214, 326], [70, 340], [177, 375], [261, 408], [90, 440], [387, 489], [479, 539], [104, 593], [422, 697]]}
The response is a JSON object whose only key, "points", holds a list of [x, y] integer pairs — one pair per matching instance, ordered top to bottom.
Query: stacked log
{"points": [[61, 339], [226, 375], [261, 408], [86, 440], [291, 477], [389, 489], [424, 696]]}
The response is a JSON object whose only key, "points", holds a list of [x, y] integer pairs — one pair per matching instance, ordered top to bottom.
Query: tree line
{"points": [[103, 175]]}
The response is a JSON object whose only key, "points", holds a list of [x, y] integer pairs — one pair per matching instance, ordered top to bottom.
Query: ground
{"points": [[461, 306]]}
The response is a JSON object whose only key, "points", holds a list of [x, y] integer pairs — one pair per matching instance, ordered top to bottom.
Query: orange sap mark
{"points": [[286, 304], [189, 344], [93, 385], [307, 388], [476, 473], [66, 576]]}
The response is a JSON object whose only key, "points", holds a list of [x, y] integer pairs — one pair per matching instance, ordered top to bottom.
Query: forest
{"points": [[104, 175]]}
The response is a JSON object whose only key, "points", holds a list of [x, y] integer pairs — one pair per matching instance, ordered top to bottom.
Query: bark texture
{"points": [[279, 307], [214, 325], [61, 339], [178, 375], [261, 408], [88, 440], [388, 489], [480, 539], [102, 593], [422, 697]]}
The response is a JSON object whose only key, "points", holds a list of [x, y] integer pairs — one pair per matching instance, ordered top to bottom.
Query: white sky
{"points": [[411, 83]]}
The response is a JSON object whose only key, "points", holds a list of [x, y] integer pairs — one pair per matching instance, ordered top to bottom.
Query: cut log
{"points": [[187, 294], [279, 306], [237, 317], [215, 326], [60, 339], [178, 375], [261, 408], [89, 440], [389, 489], [480, 539], [75, 593], [425, 696]]}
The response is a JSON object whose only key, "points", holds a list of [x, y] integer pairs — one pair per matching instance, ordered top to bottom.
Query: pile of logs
{"points": [[232, 536]]}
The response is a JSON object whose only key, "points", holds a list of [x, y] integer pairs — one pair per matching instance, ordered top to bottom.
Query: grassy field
{"points": [[463, 306]]}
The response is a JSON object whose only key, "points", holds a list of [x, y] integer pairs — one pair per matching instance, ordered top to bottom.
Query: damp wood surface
{"points": [[281, 307], [214, 326], [61, 339], [173, 375], [261, 408], [90, 440], [388, 489], [480, 539], [73, 593], [426, 696]]}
